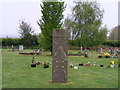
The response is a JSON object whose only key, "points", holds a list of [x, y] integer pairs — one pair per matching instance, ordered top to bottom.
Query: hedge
{"points": [[11, 41], [72, 43], [110, 43], [113, 43]]}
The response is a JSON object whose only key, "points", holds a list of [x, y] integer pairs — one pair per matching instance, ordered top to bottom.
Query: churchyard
{"points": [[45, 60], [18, 73]]}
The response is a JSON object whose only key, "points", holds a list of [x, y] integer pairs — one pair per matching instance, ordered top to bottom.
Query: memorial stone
{"points": [[21, 47], [13, 48], [81, 49], [101, 50], [59, 51]]}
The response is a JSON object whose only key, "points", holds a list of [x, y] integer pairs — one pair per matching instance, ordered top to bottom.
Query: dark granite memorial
{"points": [[60, 51]]}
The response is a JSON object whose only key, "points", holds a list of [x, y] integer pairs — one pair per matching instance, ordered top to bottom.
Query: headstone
{"points": [[7, 47], [21, 47], [12, 48], [81, 49], [97, 49], [101, 50], [59, 51], [111, 51], [116, 51], [86, 52], [33, 60]]}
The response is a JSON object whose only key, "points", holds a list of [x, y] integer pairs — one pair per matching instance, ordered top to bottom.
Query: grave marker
{"points": [[21, 47], [13, 48], [81, 49], [101, 50], [59, 51], [111, 51], [86, 52]]}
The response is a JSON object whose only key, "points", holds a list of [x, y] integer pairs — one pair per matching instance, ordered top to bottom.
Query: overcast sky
{"points": [[14, 10]]}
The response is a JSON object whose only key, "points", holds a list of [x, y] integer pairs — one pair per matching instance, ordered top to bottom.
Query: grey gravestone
{"points": [[7, 47], [21, 47], [13, 48], [81, 49], [97, 49], [101, 50], [60, 51], [111, 51], [116, 51], [86, 52]]}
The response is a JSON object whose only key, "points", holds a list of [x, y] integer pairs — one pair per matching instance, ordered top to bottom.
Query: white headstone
{"points": [[12, 46], [7, 47], [21, 47], [81, 49], [101, 50], [86, 52]]}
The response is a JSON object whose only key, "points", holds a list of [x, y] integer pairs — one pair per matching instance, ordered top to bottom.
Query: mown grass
{"points": [[17, 73]]}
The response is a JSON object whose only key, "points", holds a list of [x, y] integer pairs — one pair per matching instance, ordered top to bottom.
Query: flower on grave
{"points": [[106, 54], [115, 56], [38, 62], [88, 62], [112, 62], [46, 64], [71, 65], [95, 65], [112, 66], [75, 67]]}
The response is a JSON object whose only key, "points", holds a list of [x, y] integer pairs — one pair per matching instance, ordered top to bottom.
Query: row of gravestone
{"points": [[21, 48], [101, 49], [111, 50]]}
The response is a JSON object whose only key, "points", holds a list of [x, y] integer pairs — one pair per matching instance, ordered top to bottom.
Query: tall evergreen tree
{"points": [[51, 19]]}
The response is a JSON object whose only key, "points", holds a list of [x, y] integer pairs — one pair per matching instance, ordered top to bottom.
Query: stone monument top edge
{"points": [[59, 33]]}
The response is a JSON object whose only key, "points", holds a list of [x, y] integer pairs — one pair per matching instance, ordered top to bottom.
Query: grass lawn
{"points": [[17, 72]]}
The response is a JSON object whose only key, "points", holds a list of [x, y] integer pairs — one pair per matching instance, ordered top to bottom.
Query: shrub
{"points": [[11, 41], [18, 41], [113, 43]]}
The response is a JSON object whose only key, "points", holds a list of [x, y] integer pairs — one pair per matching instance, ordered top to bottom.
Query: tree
{"points": [[51, 19], [85, 23], [114, 33], [27, 36]]}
